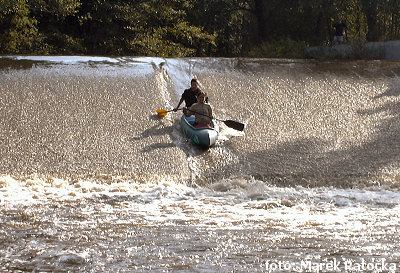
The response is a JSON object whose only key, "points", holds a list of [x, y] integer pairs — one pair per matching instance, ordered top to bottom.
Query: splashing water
{"points": [[90, 181]]}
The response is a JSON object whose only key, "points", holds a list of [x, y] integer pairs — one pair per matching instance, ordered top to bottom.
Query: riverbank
{"points": [[389, 50]]}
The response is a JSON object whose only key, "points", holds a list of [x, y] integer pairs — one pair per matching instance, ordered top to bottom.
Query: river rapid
{"points": [[92, 181]]}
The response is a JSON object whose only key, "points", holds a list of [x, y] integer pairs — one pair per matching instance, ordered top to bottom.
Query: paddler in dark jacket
{"points": [[190, 94]]}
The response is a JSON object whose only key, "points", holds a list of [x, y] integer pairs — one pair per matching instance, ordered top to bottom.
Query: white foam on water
{"points": [[66, 59], [151, 60], [117, 66], [180, 73], [162, 83], [226, 133], [13, 191], [233, 203], [230, 218]]}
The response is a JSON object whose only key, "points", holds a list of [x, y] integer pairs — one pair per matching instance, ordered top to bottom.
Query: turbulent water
{"points": [[92, 181]]}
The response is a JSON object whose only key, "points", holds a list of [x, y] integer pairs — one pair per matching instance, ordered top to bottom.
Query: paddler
{"points": [[190, 94], [202, 111]]}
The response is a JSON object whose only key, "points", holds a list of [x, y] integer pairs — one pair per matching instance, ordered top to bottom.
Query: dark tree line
{"points": [[270, 28]]}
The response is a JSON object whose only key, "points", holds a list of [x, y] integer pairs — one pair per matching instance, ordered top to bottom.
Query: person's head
{"points": [[194, 83], [201, 97]]}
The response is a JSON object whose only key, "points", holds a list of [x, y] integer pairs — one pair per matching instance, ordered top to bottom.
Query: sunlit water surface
{"points": [[92, 181]]}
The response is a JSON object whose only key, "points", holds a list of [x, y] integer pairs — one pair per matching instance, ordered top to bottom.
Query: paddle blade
{"points": [[161, 112], [234, 125]]}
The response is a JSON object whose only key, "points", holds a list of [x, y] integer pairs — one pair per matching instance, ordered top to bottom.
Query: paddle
{"points": [[161, 112], [230, 123]]}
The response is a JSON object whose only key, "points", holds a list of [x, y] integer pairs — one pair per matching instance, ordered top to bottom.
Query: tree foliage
{"points": [[20, 28], [273, 28], [166, 31]]}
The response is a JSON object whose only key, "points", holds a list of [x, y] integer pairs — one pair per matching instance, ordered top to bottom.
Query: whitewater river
{"points": [[92, 181]]}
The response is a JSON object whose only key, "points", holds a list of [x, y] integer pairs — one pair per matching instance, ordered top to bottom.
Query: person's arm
{"points": [[183, 97], [179, 104], [187, 112], [210, 112]]}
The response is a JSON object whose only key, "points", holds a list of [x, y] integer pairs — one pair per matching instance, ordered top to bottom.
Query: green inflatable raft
{"points": [[203, 137]]}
